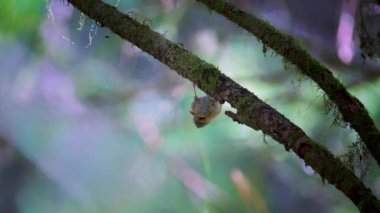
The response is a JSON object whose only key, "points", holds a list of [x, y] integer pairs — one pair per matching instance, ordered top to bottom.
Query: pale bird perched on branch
{"points": [[204, 109]]}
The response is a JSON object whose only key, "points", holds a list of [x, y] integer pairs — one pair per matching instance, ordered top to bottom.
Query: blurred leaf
{"points": [[21, 18]]}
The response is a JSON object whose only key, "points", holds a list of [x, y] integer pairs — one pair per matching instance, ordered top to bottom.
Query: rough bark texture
{"points": [[251, 110], [352, 110]]}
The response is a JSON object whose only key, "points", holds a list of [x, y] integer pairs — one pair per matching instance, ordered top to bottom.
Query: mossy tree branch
{"points": [[251, 110], [352, 110]]}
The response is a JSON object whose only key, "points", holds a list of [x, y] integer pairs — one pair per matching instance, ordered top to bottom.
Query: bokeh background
{"points": [[90, 123]]}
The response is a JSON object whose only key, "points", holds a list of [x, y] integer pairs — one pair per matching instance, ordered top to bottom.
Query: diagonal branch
{"points": [[250, 110], [352, 110]]}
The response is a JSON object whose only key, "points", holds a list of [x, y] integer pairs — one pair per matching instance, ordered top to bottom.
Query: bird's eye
{"points": [[201, 118]]}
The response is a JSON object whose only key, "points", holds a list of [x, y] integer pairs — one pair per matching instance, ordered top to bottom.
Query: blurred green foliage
{"points": [[21, 18], [94, 124]]}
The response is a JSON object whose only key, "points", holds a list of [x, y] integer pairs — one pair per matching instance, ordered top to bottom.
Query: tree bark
{"points": [[352, 110], [251, 111]]}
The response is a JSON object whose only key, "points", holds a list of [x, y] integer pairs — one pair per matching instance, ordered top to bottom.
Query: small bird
{"points": [[204, 109]]}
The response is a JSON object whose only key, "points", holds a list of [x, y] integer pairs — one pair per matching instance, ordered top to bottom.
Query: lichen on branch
{"points": [[352, 110], [251, 111]]}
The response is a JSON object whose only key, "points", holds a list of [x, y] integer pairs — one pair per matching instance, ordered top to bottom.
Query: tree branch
{"points": [[251, 110], [352, 110]]}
